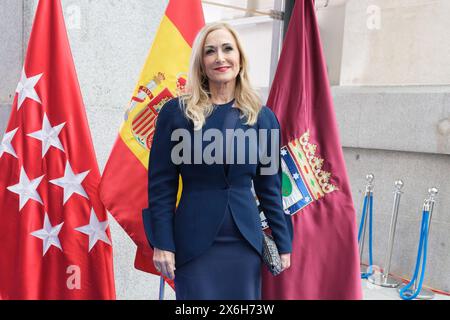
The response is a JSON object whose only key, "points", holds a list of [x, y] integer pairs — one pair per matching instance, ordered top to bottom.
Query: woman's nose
{"points": [[219, 57]]}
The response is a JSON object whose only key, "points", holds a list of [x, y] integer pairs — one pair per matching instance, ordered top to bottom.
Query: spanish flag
{"points": [[123, 187]]}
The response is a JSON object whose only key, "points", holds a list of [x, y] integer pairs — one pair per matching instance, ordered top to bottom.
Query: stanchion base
{"points": [[363, 267], [385, 281], [424, 294]]}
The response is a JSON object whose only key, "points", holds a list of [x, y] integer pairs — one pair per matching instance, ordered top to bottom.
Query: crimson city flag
{"points": [[124, 181], [316, 191], [54, 237]]}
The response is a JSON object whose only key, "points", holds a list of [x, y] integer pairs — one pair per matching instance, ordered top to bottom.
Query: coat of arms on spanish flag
{"points": [[123, 187]]}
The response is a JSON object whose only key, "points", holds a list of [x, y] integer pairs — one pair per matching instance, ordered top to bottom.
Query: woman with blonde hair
{"points": [[212, 243]]}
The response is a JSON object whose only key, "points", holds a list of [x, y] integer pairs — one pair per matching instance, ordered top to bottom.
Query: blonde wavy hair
{"points": [[196, 101]]}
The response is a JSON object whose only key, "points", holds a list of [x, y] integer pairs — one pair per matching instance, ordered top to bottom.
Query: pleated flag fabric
{"points": [[316, 191], [55, 241]]}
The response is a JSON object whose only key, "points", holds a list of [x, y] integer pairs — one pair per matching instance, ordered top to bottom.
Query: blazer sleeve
{"points": [[163, 178], [268, 187]]}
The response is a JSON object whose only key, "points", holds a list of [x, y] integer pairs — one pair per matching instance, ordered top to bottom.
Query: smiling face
{"points": [[221, 58]]}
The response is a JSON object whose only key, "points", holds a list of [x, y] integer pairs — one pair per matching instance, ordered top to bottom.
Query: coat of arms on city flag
{"points": [[124, 180], [304, 181]]}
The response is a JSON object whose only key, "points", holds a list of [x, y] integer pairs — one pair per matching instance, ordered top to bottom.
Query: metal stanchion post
{"points": [[369, 190], [428, 205], [383, 279]]}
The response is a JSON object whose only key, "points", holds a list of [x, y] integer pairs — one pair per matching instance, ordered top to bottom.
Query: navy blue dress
{"points": [[231, 268]]}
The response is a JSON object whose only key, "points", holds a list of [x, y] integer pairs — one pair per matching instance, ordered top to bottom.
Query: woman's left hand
{"points": [[285, 260]]}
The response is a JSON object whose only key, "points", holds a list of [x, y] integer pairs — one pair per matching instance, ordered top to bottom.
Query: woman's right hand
{"points": [[164, 262]]}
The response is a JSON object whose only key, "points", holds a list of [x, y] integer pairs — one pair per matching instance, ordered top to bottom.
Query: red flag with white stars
{"points": [[55, 240]]}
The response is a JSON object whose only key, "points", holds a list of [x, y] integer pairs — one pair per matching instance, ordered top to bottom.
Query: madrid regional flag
{"points": [[124, 180], [54, 237]]}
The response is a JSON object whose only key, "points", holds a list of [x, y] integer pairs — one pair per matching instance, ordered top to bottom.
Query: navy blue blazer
{"points": [[207, 190]]}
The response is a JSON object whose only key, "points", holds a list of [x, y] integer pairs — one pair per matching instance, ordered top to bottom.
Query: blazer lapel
{"points": [[231, 121]]}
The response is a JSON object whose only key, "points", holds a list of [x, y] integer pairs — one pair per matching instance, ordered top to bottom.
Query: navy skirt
{"points": [[229, 270]]}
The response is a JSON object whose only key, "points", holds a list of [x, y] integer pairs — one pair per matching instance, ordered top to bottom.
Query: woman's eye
{"points": [[228, 48], [209, 51]]}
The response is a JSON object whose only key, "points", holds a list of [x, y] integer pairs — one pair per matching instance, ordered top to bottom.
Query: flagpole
{"points": [[277, 40], [161, 287]]}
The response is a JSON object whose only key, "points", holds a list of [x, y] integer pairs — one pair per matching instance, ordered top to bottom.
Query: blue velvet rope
{"points": [[368, 200], [363, 215], [423, 242]]}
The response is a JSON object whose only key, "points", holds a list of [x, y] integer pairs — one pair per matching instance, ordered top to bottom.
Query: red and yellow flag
{"points": [[123, 186]]}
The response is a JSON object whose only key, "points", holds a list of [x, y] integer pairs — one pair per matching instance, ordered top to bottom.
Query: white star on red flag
{"points": [[26, 89], [48, 135], [6, 146], [71, 183], [26, 189], [96, 230], [49, 235]]}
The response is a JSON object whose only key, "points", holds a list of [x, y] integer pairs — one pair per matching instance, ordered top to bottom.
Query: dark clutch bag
{"points": [[271, 257]]}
